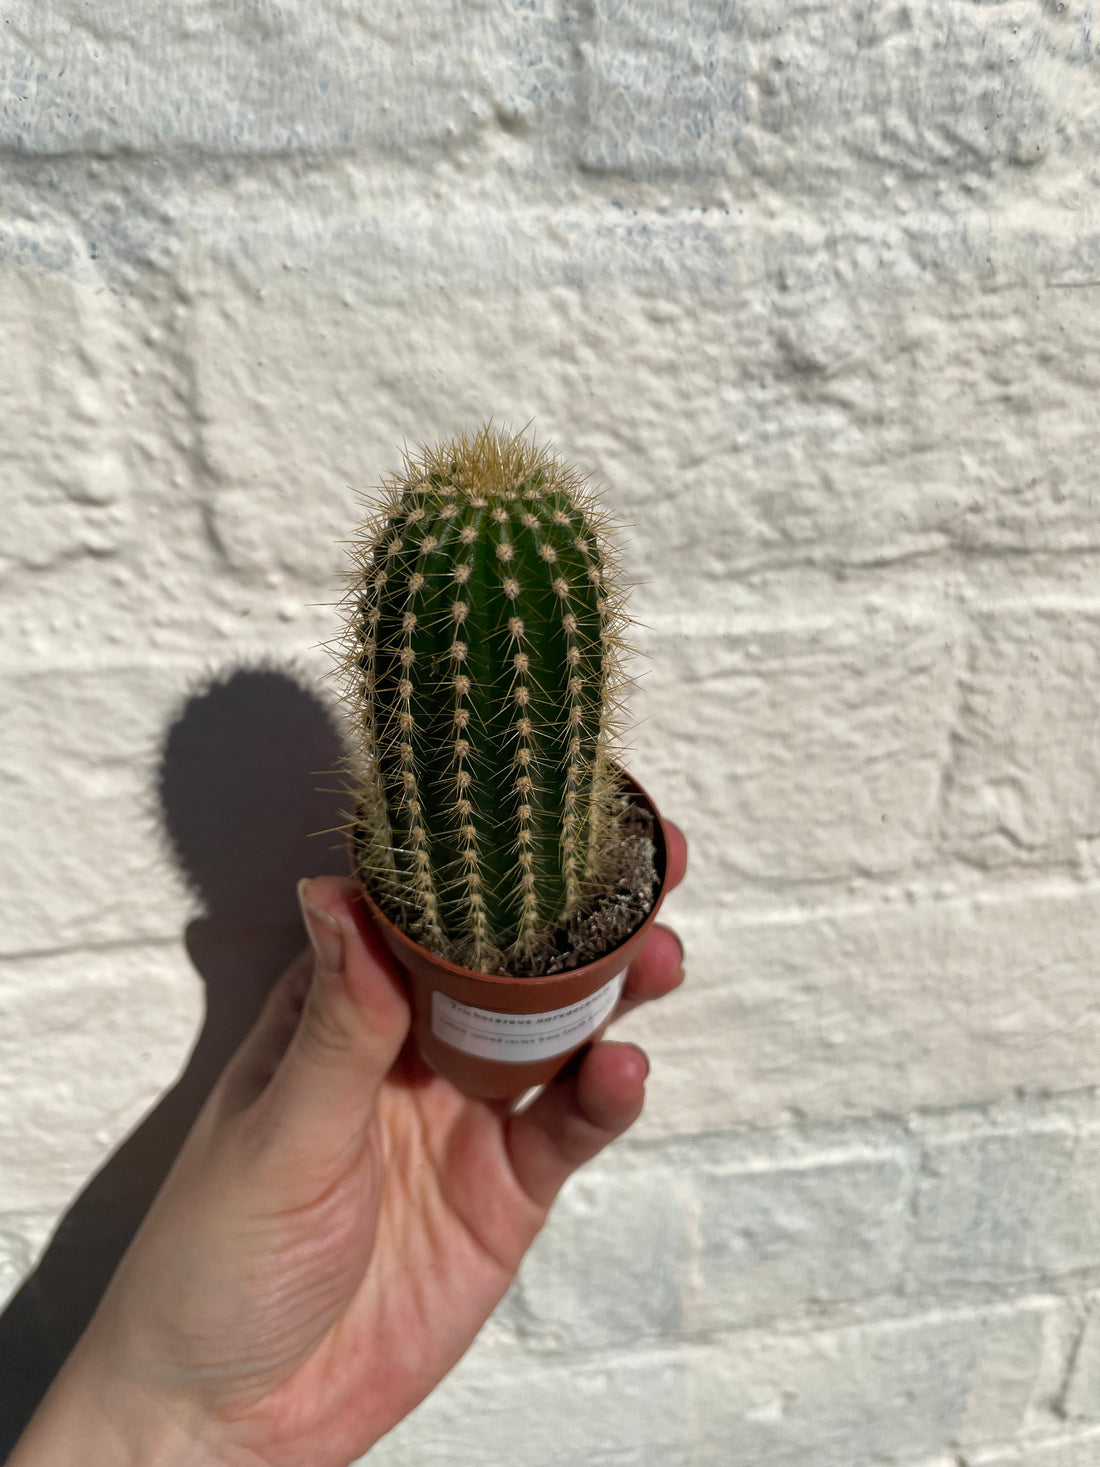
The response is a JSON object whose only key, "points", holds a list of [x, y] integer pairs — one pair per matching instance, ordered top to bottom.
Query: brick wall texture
{"points": [[815, 291]]}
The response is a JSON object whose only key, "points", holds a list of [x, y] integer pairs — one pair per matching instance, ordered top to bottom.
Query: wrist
{"points": [[86, 1420]]}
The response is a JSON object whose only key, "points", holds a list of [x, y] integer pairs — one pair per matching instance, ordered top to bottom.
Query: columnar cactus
{"points": [[483, 664]]}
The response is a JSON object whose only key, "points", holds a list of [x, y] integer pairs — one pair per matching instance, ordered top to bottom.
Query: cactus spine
{"points": [[484, 637]]}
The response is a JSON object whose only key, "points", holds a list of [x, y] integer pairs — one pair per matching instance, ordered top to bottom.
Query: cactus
{"points": [[482, 663]]}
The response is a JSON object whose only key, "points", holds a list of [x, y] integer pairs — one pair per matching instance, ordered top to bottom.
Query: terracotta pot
{"points": [[496, 1037]]}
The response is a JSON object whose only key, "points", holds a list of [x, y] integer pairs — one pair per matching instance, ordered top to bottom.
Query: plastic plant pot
{"points": [[495, 1037]]}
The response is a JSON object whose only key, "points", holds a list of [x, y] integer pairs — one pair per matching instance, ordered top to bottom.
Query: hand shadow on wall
{"points": [[239, 801]]}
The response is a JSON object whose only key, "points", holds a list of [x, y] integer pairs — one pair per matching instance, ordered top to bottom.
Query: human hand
{"points": [[337, 1227]]}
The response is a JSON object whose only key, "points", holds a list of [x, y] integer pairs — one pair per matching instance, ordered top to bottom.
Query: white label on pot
{"points": [[519, 1038]]}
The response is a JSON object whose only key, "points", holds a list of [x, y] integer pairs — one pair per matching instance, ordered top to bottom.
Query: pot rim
{"points": [[504, 980]]}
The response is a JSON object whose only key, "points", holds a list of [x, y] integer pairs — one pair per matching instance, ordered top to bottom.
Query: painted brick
{"points": [[272, 79], [663, 96], [776, 96], [808, 100], [806, 440], [850, 468], [67, 475], [106, 552], [817, 749], [80, 756], [111, 774], [1015, 795], [875, 1009], [83, 1055], [1008, 1195], [980, 1206], [823, 1230], [718, 1234], [1069, 1237], [611, 1265], [891, 1390], [840, 1398]]}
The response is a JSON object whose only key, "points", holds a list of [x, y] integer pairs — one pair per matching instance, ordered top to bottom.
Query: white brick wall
{"points": [[816, 292]]}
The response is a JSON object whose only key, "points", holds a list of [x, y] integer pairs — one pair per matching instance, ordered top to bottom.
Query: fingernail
{"points": [[323, 930], [644, 1058]]}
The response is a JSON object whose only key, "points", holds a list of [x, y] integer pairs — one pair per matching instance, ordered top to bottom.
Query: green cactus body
{"points": [[484, 639]]}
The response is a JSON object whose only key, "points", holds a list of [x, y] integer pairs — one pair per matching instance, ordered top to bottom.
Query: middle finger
{"points": [[657, 970]]}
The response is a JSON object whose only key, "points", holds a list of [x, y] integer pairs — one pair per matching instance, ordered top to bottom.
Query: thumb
{"points": [[319, 1103]]}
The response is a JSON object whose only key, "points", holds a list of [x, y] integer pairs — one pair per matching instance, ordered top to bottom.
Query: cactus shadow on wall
{"points": [[240, 805]]}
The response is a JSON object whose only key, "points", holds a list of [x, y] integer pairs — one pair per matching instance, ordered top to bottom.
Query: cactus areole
{"points": [[485, 622]]}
